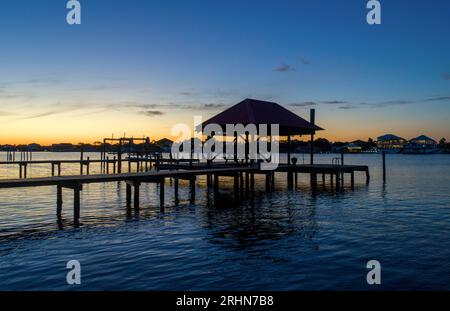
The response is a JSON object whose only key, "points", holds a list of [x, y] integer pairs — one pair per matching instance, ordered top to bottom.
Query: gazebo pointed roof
{"points": [[252, 111]]}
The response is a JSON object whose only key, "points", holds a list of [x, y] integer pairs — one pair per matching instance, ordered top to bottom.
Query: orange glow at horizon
{"points": [[72, 128]]}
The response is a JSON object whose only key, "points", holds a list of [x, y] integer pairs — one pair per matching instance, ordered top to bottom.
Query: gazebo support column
{"points": [[235, 147], [247, 148], [289, 149]]}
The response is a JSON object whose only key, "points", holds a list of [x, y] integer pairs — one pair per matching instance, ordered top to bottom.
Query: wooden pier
{"points": [[113, 165], [243, 175]]}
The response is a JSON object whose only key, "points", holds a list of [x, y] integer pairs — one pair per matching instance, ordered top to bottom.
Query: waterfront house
{"points": [[391, 143], [421, 145], [34, 147], [353, 148]]}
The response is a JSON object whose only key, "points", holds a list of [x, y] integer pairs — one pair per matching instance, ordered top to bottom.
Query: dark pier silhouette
{"points": [[153, 168], [244, 180]]}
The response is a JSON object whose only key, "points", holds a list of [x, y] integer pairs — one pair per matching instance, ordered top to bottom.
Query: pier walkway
{"points": [[108, 165], [244, 179]]}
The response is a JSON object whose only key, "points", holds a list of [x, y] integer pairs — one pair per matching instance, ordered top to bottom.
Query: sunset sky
{"points": [[140, 66]]}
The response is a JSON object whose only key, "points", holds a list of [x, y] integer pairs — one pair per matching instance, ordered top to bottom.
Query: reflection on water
{"points": [[287, 239]]}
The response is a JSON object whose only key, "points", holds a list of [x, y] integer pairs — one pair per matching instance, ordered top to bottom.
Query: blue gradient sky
{"points": [[140, 66]]}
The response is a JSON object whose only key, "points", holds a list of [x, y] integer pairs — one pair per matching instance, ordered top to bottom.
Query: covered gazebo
{"points": [[258, 112]]}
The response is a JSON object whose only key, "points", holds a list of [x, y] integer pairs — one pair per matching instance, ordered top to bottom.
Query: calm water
{"points": [[286, 240]]}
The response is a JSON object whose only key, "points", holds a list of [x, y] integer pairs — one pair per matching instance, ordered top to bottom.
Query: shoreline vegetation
{"points": [[321, 145]]}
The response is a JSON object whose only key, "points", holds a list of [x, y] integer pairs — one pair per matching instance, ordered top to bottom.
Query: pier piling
{"points": [[244, 179], [192, 189], [176, 191], [161, 192], [128, 194], [59, 201], [76, 204]]}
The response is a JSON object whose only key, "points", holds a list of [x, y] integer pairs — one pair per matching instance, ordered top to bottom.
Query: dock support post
{"points": [[119, 160], [88, 163], [114, 165], [384, 166], [59, 169], [25, 170], [20, 171], [290, 178], [352, 179], [208, 180], [313, 180], [272, 181], [247, 182], [216, 183], [241, 183], [236, 186], [192, 189], [128, 191], [176, 191], [161, 192], [136, 194], [59, 201], [76, 203]]}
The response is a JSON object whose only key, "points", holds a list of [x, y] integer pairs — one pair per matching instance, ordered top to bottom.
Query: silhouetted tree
{"points": [[323, 145]]}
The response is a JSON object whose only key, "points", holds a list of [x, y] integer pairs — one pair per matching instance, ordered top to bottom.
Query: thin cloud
{"points": [[305, 61], [284, 68], [42, 81], [187, 93], [212, 93], [6, 96], [440, 98], [334, 102], [315, 103], [391, 103], [303, 104], [213, 106], [348, 107], [58, 109], [152, 113], [6, 114], [41, 115]]}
